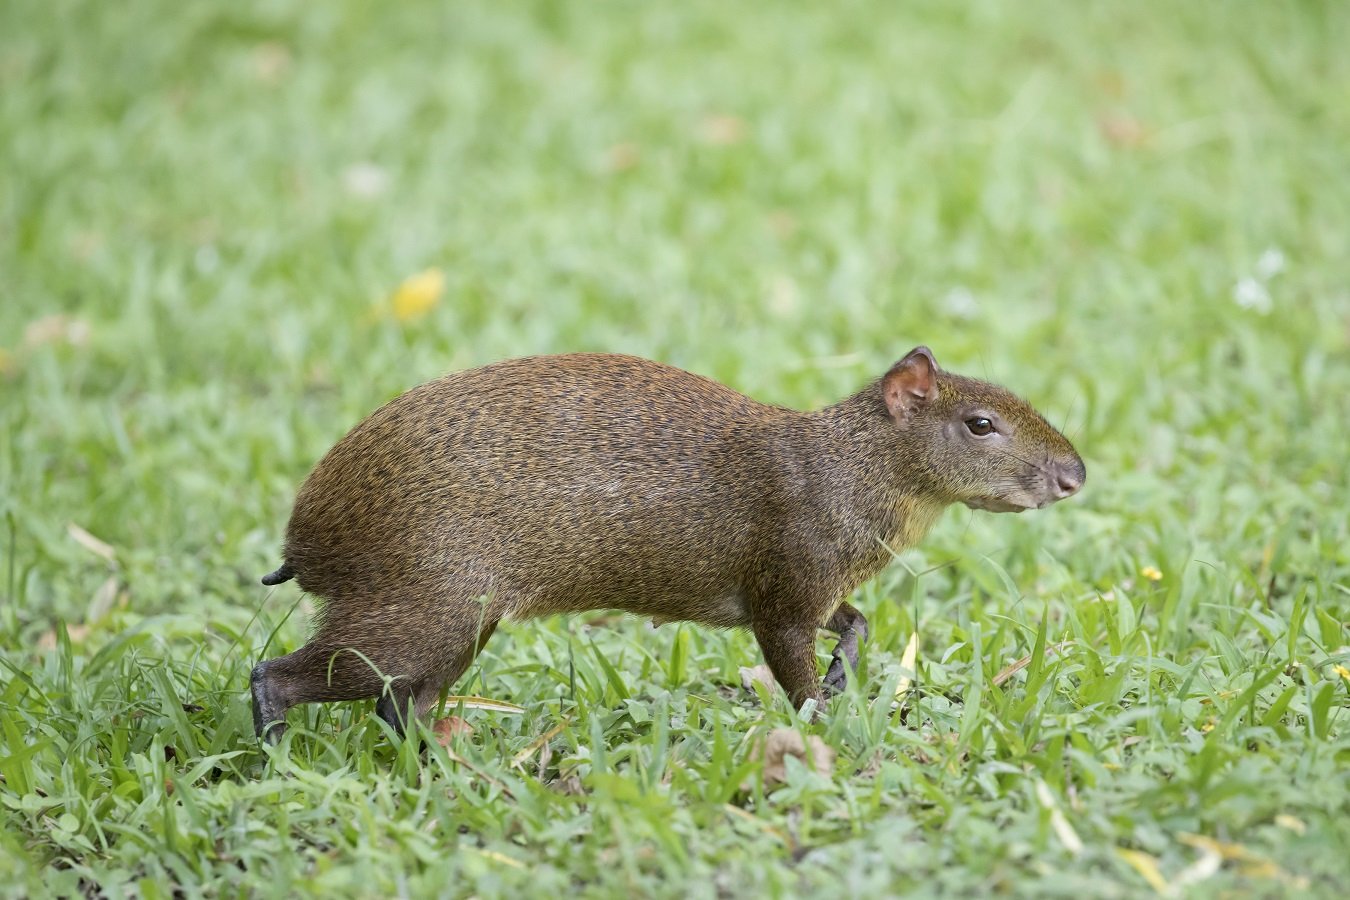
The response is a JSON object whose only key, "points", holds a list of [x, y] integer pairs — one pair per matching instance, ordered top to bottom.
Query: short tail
{"points": [[285, 573]]}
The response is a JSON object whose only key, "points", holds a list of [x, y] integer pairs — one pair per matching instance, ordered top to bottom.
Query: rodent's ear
{"points": [[910, 383]]}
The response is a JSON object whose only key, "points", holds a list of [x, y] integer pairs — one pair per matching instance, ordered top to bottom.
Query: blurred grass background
{"points": [[1137, 216]]}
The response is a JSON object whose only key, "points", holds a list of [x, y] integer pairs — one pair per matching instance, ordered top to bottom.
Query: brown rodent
{"points": [[558, 484]]}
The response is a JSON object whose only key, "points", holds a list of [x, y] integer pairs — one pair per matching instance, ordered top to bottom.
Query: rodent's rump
{"points": [[564, 483]]}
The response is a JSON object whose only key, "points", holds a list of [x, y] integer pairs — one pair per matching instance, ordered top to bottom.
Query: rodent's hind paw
{"points": [[836, 677]]}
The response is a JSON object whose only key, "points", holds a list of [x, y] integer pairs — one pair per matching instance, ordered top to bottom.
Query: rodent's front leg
{"points": [[851, 626], [790, 651]]}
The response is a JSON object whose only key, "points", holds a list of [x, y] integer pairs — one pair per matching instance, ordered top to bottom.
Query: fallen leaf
{"points": [[271, 60], [1113, 83], [1122, 129], [721, 130], [622, 157], [782, 223], [84, 244], [416, 296], [784, 298], [57, 329], [91, 543], [77, 633], [1013, 668], [760, 674], [447, 729], [780, 743], [545, 757], [459, 760], [872, 767], [760, 823]]}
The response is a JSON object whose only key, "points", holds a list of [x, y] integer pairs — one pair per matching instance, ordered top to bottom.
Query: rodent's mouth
{"points": [[998, 505]]}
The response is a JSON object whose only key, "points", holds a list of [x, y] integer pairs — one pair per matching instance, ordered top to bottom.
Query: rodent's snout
{"points": [[1066, 479]]}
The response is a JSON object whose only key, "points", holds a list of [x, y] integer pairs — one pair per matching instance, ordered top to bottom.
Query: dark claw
{"points": [[836, 677], [269, 717]]}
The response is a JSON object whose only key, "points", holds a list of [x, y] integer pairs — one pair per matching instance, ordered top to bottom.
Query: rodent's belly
{"points": [[645, 571], [726, 609]]}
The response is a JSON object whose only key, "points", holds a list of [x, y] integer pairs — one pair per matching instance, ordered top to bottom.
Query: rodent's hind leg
{"points": [[851, 626], [459, 651], [790, 651], [313, 674], [394, 702], [269, 711]]}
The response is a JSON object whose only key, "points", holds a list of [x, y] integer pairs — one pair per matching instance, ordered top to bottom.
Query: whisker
{"points": [[1069, 415], [1038, 467]]}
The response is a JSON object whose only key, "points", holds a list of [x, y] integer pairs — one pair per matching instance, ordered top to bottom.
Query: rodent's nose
{"points": [[1067, 479]]}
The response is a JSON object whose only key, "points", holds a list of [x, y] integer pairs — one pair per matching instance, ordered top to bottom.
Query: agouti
{"points": [[556, 484]]}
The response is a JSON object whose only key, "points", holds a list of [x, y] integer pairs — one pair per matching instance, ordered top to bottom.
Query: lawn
{"points": [[1137, 216]]}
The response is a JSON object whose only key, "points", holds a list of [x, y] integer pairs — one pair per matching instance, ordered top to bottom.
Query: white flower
{"points": [[365, 180], [206, 259], [1270, 264], [1251, 294], [960, 303]]}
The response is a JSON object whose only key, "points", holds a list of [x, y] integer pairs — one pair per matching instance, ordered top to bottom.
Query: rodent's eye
{"points": [[980, 426]]}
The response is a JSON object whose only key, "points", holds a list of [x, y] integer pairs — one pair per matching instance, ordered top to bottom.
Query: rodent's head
{"points": [[975, 442]]}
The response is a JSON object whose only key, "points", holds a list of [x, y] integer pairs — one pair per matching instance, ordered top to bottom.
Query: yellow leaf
{"points": [[417, 295], [907, 661], [469, 702], [538, 742], [756, 820], [1058, 823], [1293, 823], [1223, 848], [500, 857], [1147, 867]]}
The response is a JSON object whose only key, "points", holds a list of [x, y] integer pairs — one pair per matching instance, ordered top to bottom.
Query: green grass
{"points": [[1067, 198]]}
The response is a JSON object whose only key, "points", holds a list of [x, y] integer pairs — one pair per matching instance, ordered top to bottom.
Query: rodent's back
{"points": [[556, 482]]}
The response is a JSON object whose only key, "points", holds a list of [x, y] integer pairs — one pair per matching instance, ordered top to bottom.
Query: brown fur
{"points": [[568, 483]]}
